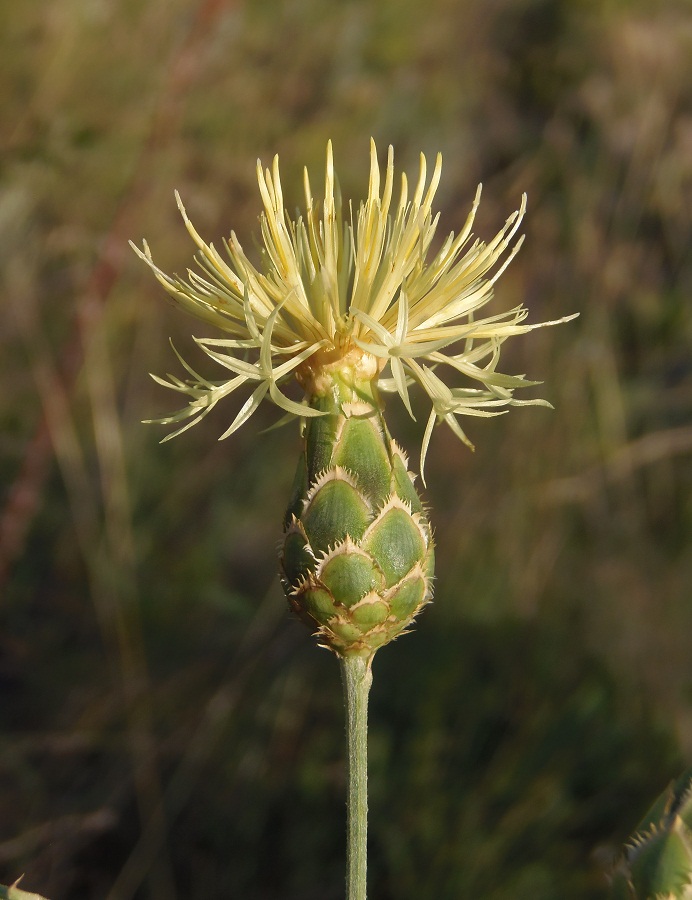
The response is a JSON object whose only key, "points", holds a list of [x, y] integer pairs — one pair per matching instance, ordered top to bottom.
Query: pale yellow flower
{"points": [[363, 293]]}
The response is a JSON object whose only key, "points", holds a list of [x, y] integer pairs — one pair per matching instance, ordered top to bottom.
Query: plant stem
{"points": [[356, 675]]}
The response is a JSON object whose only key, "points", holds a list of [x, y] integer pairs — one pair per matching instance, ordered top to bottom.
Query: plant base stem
{"points": [[356, 675]]}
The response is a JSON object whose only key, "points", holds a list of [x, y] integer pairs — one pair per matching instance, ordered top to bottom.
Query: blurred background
{"points": [[166, 729]]}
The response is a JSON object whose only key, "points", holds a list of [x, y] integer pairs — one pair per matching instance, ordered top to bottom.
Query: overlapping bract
{"points": [[327, 287], [357, 556], [657, 861]]}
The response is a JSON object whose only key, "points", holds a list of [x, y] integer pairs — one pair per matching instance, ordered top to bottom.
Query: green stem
{"points": [[356, 675]]}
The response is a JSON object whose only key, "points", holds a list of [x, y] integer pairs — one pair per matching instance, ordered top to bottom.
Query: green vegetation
{"points": [[166, 728], [657, 860], [14, 893]]}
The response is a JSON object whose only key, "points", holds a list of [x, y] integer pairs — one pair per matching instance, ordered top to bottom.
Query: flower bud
{"points": [[357, 556], [657, 861]]}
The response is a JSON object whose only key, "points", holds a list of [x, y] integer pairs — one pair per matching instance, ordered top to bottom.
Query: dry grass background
{"points": [[165, 729]]}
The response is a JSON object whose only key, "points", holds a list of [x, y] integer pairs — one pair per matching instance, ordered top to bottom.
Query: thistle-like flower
{"points": [[361, 295], [349, 309]]}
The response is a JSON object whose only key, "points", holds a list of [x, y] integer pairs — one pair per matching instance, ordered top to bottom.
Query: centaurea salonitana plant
{"points": [[349, 309], [656, 863]]}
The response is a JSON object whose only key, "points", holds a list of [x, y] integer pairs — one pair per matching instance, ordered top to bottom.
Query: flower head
{"points": [[363, 296]]}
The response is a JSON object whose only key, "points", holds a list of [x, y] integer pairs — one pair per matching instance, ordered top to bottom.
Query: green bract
{"points": [[357, 557], [657, 861]]}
